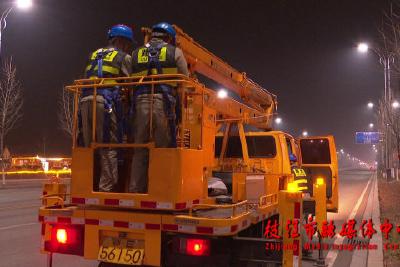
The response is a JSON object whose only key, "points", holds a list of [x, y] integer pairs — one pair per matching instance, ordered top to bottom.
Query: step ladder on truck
{"points": [[180, 221]]}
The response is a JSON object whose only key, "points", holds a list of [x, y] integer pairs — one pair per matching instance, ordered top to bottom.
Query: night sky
{"points": [[303, 51]]}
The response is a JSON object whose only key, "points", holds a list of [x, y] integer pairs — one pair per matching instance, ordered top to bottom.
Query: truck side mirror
{"points": [[292, 157]]}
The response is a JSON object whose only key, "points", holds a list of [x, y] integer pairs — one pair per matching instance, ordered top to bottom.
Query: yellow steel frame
{"points": [[202, 61], [200, 106]]}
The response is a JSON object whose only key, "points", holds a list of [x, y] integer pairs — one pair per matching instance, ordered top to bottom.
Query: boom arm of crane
{"points": [[202, 61]]}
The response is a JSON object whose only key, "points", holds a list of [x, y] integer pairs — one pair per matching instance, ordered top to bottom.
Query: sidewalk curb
{"points": [[332, 254], [360, 257], [375, 257], [371, 258]]}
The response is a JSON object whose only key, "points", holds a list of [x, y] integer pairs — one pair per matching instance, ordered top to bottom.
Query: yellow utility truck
{"points": [[210, 198]]}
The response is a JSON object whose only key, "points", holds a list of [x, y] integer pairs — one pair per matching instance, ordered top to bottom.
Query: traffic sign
{"points": [[367, 137]]}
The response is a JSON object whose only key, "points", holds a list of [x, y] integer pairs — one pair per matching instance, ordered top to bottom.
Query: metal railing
{"points": [[130, 83]]}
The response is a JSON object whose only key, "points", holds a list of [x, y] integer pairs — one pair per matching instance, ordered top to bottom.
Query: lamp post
{"points": [[21, 4], [385, 59]]}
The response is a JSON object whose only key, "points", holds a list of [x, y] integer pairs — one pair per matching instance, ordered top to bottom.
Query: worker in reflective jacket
{"points": [[159, 56], [109, 62]]}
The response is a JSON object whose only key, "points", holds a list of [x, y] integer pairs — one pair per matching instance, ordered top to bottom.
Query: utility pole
{"points": [[386, 60]]}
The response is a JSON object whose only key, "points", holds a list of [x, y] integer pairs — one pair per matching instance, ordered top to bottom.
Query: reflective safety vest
{"points": [[157, 57], [107, 63], [111, 63], [142, 63], [301, 178]]}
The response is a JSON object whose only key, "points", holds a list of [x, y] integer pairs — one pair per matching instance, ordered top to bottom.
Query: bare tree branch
{"points": [[389, 32], [389, 53], [11, 101], [66, 112], [389, 123]]}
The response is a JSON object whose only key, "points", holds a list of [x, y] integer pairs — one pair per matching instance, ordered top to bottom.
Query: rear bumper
{"points": [[151, 228]]}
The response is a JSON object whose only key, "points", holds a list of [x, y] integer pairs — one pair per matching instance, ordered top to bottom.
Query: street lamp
{"points": [[21, 4], [24, 4], [362, 47], [385, 59], [222, 93], [395, 104], [370, 105], [278, 120], [371, 125], [305, 133]]}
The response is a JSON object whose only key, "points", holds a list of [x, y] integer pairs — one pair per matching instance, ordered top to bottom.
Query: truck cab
{"points": [[274, 155]]}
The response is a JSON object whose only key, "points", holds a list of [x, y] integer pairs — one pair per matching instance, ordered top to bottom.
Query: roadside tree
{"points": [[11, 103]]}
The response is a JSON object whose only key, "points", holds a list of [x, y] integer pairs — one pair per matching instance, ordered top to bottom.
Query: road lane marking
{"points": [[17, 226], [332, 254]]}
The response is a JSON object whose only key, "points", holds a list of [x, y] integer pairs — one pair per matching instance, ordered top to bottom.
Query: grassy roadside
{"points": [[389, 200]]}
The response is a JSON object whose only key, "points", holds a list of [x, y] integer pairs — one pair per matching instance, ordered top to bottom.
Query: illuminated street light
{"points": [[21, 4], [24, 4], [362, 47], [386, 60], [222, 93], [395, 104], [370, 105], [278, 120], [371, 125], [305, 133], [342, 151]]}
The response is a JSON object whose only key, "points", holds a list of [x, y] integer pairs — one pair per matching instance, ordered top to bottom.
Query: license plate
{"points": [[128, 256]]}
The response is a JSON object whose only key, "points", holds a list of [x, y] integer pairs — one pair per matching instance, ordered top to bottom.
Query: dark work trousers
{"points": [[141, 134], [108, 157]]}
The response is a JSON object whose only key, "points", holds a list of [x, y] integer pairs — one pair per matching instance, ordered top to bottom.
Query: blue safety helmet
{"points": [[164, 27], [121, 30]]}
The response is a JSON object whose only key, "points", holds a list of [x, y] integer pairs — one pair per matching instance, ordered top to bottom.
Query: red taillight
{"points": [[62, 236], [66, 239], [195, 247]]}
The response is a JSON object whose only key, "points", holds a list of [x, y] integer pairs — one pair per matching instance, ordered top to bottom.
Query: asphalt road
{"points": [[353, 195], [20, 231]]}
